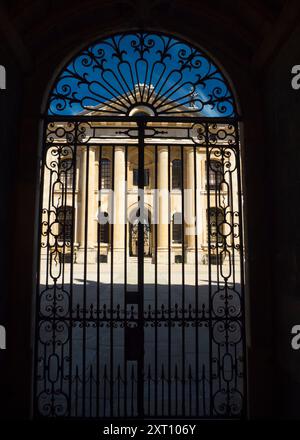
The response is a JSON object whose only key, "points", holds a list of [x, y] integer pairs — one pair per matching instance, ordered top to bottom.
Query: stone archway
{"points": [[192, 117]]}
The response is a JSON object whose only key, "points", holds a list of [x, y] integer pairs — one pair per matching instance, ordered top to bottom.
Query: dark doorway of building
{"points": [[134, 236]]}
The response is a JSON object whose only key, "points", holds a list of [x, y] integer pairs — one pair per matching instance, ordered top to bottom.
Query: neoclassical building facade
{"points": [[98, 204]]}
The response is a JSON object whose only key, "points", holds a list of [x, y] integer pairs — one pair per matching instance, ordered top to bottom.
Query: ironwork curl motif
{"points": [[166, 74], [102, 93], [227, 313], [63, 315]]}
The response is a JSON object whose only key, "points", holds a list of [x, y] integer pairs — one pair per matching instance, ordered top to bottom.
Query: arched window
{"points": [[105, 174], [176, 174], [215, 175], [136, 177], [215, 218], [65, 219], [177, 228]]}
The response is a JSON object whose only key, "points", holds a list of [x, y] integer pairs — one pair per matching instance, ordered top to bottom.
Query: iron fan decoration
{"points": [[115, 75]]}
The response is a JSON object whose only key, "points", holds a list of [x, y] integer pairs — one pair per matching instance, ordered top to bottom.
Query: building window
{"points": [[66, 172], [105, 174], [176, 174], [215, 175], [136, 177], [65, 219], [215, 219], [177, 228], [104, 230]]}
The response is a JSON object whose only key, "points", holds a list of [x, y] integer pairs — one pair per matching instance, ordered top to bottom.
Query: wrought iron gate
{"points": [[160, 334]]}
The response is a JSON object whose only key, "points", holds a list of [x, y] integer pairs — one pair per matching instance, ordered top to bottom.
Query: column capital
{"points": [[120, 148], [162, 148], [189, 149]]}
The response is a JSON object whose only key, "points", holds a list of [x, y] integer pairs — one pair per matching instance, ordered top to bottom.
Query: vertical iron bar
{"points": [[63, 178], [141, 184], [231, 207], [217, 212], [62, 255], [49, 263], [72, 263], [209, 269], [85, 275], [125, 275], [183, 280], [155, 281], [196, 281], [169, 282], [98, 284], [112, 290], [54, 308]]}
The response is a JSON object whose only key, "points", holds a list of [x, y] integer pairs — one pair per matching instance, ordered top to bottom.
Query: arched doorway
{"points": [[147, 119], [134, 235]]}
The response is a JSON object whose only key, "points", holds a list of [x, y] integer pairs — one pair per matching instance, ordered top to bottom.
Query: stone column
{"points": [[201, 199], [92, 200], [77, 201], [81, 204], [189, 204], [119, 205], [163, 205], [90, 216]]}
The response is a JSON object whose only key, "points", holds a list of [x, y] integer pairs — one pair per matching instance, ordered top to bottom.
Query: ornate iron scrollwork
{"points": [[159, 71], [192, 315]]}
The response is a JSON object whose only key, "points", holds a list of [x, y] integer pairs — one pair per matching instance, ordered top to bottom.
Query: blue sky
{"points": [[113, 67]]}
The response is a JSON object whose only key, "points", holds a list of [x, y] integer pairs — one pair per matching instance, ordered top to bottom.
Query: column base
{"points": [[90, 255], [118, 255], [162, 256], [191, 256]]}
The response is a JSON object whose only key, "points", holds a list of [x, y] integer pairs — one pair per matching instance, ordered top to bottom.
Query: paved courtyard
{"points": [[173, 344]]}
